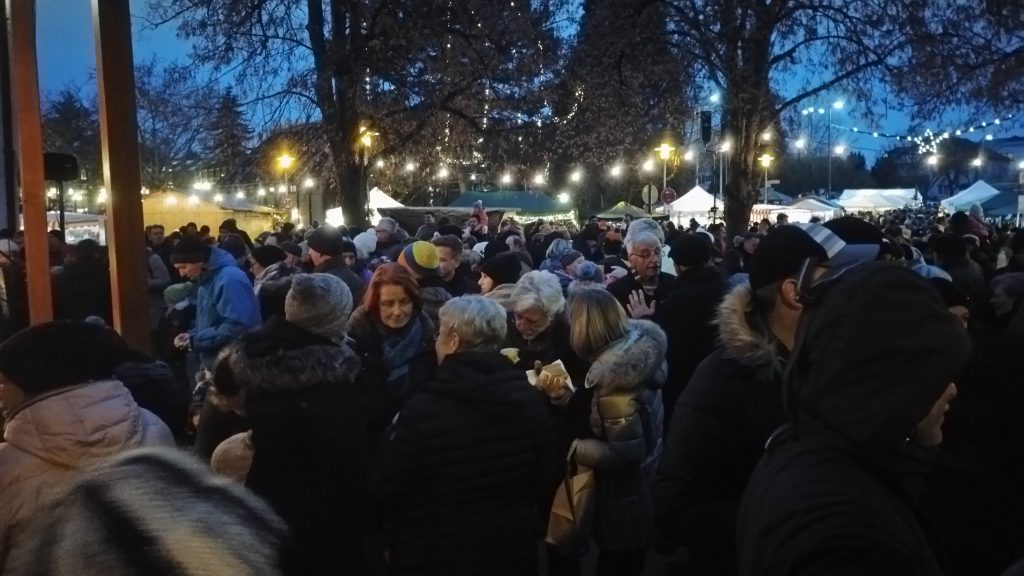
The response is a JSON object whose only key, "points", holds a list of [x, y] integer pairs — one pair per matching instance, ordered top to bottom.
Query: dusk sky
{"points": [[67, 57]]}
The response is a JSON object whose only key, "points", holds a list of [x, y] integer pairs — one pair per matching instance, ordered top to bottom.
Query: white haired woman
{"points": [[639, 292], [623, 444], [465, 469]]}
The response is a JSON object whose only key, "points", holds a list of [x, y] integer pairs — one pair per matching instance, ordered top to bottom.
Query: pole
{"points": [[119, 141], [29, 146], [696, 169], [664, 174], [766, 184], [828, 193], [9, 196], [714, 200], [62, 205]]}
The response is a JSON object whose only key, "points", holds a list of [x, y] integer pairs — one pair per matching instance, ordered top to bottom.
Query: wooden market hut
{"points": [[174, 209]]}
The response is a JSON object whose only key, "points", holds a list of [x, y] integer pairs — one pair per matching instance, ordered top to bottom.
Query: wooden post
{"points": [[115, 73], [29, 144]]}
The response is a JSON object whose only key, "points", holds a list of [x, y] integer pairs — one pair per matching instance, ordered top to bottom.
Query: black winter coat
{"points": [[337, 267], [625, 286], [82, 290], [687, 317], [721, 422], [310, 441], [463, 472], [837, 490]]}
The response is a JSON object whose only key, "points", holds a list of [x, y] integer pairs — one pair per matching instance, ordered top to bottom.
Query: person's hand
{"points": [[617, 273], [638, 307], [182, 341], [552, 380]]}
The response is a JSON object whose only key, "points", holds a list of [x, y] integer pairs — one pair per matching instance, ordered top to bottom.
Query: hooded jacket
{"points": [[226, 306], [626, 421], [721, 421], [308, 430], [53, 436], [465, 470], [836, 491]]}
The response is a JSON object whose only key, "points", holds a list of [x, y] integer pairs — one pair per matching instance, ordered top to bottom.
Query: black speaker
{"points": [[705, 126], [60, 167]]}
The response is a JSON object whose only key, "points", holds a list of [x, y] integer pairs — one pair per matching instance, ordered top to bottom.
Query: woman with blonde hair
{"points": [[624, 445]]}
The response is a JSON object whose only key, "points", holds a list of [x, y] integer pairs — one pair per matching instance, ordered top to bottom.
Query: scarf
{"points": [[399, 346]]}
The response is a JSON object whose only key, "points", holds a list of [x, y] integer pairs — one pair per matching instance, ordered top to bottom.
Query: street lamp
{"points": [[837, 105], [801, 143], [723, 149], [840, 150], [664, 152], [932, 160], [766, 161], [285, 162], [648, 165], [409, 166], [616, 171], [443, 172], [576, 176], [538, 179], [563, 197]]}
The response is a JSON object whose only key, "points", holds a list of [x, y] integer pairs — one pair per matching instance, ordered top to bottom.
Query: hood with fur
{"points": [[750, 345], [282, 357], [635, 360]]}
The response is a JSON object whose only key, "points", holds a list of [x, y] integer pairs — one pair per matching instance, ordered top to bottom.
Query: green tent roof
{"points": [[525, 201]]}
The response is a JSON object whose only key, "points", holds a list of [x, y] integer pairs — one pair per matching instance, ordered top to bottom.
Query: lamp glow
{"points": [[801, 143], [840, 150], [664, 151], [932, 160], [284, 161], [648, 165], [616, 171], [443, 172], [576, 176], [506, 178], [538, 179], [308, 183], [218, 197], [563, 198]]}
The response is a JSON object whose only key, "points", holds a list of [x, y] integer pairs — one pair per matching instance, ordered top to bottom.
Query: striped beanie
{"points": [[420, 258], [154, 512]]}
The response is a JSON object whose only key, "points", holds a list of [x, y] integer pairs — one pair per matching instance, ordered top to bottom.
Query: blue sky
{"points": [[67, 57]]}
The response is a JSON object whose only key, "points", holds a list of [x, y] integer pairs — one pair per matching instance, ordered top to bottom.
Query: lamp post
{"points": [[837, 105], [723, 149], [664, 152], [766, 161], [285, 162], [308, 185]]}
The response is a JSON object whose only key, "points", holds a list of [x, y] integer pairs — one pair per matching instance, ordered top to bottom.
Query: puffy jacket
{"points": [[226, 306], [626, 420], [720, 424], [53, 436]]}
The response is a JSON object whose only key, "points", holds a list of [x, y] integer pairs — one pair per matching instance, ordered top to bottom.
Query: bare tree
{"points": [[767, 57], [409, 71]]}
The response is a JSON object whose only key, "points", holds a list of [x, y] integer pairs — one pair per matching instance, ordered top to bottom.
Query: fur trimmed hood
{"points": [[739, 340], [633, 361], [267, 366]]}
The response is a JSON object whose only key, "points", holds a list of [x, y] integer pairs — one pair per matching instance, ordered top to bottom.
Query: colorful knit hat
{"points": [[420, 258]]}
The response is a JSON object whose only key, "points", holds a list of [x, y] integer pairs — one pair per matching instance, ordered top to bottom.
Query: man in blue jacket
{"points": [[226, 307]]}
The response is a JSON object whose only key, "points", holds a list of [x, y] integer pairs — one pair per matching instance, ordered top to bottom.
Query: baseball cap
{"points": [[783, 251]]}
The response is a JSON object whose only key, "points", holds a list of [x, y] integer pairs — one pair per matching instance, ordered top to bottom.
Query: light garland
{"points": [[928, 142]]}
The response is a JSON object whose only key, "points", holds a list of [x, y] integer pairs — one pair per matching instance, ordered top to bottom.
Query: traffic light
{"points": [[705, 126]]}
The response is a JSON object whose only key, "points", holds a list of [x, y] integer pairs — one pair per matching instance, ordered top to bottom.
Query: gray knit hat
{"points": [[320, 304], [154, 512]]}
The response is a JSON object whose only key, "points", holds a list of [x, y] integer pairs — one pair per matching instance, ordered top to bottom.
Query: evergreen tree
{"points": [[70, 126], [229, 135]]}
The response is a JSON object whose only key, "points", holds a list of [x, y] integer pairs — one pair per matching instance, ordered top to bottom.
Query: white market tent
{"points": [[979, 192], [377, 198], [878, 199], [696, 202], [818, 207], [772, 211]]}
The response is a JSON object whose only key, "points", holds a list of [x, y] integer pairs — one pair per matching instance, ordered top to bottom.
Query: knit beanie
{"points": [[230, 225], [326, 240], [366, 244], [234, 245], [349, 247], [292, 248], [191, 249], [690, 250], [268, 255], [570, 257], [420, 258], [504, 268], [319, 304], [49, 356], [154, 512]]}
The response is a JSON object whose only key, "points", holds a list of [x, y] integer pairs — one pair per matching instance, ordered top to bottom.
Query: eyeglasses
{"points": [[646, 254], [528, 322]]}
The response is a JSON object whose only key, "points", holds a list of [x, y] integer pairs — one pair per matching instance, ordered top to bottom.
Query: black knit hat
{"points": [[230, 225], [326, 240], [234, 245], [292, 248], [191, 249], [690, 250], [268, 255], [504, 268], [951, 294], [53, 355]]}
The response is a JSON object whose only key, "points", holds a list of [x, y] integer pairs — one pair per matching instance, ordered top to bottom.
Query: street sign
{"points": [[649, 194], [668, 196]]}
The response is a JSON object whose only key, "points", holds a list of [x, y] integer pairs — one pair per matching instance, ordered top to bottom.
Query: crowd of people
{"points": [[821, 398]]}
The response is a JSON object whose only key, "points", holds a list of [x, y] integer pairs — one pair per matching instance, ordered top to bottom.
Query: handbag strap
{"points": [[570, 460]]}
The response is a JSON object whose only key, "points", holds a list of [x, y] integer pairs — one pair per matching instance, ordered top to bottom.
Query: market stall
{"points": [[174, 209]]}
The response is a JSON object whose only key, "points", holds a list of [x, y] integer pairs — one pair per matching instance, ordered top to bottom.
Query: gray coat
{"points": [[626, 419]]}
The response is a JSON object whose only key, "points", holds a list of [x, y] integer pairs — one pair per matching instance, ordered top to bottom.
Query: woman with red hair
{"points": [[394, 338]]}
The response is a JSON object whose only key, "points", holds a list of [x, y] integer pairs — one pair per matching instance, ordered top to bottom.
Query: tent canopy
{"points": [[979, 192], [877, 198], [525, 201], [696, 201], [1004, 203], [815, 204], [620, 210]]}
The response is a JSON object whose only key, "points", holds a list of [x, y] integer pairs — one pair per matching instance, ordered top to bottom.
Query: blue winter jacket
{"points": [[226, 306]]}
